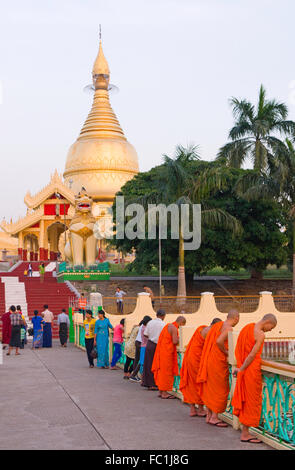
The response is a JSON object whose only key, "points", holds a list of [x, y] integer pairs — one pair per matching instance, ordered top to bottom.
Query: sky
{"points": [[176, 63]]}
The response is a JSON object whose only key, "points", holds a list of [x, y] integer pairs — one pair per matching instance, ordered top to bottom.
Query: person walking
{"points": [[30, 270], [42, 272], [119, 299], [37, 322], [63, 322], [16, 323], [89, 327], [47, 328], [23, 330], [152, 331], [101, 340], [117, 342], [130, 351], [134, 377]]}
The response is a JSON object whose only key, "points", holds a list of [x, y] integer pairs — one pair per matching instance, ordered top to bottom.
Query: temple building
{"points": [[101, 161]]}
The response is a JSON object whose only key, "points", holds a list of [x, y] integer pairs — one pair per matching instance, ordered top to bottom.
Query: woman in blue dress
{"points": [[37, 321], [101, 339]]}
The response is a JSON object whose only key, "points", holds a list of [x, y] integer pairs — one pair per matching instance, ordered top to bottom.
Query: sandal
{"points": [[170, 397], [219, 424], [252, 440]]}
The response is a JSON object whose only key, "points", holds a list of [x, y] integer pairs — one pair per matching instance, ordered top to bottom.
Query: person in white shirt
{"points": [[119, 296], [63, 322], [47, 330], [152, 331]]}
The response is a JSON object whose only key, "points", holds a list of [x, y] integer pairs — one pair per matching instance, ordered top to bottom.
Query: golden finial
{"points": [[100, 66]]}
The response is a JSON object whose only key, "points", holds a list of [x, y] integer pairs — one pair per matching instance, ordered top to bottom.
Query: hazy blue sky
{"points": [[176, 62]]}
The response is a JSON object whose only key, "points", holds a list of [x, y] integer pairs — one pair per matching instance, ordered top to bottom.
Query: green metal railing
{"points": [[177, 377], [278, 407]]}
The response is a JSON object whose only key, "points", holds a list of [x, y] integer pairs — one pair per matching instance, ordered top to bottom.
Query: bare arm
{"points": [[173, 332], [221, 340], [250, 358]]}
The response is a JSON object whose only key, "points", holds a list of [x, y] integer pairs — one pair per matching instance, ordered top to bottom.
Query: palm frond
{"points": [[218, 218]]}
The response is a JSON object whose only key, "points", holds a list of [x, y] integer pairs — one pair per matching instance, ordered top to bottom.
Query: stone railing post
{"points": [[266, 303], [207, 304], [143, 307], [232, 341]]}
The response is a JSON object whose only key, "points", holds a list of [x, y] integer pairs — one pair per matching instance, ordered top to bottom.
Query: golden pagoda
{"points": [[101, 160]]}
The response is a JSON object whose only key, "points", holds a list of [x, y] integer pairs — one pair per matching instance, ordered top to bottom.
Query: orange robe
{"points": [[165, 365], [190, 368], [213, 374], [247, 398]]}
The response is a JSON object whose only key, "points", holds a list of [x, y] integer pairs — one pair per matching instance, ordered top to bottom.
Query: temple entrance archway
{"points": [[54, 231], [31, 247]]}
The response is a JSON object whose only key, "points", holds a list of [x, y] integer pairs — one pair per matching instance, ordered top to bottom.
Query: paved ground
{"points": [[50, 399]]}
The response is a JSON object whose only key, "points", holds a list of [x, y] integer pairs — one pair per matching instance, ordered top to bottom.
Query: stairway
{"points": [[15, 294], [32, 294]]}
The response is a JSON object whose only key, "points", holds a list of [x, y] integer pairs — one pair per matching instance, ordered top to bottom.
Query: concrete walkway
{"points": [[50, 399]]}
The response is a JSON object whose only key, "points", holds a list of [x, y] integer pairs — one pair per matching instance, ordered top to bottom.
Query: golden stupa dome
{"points": [[101, 160]]}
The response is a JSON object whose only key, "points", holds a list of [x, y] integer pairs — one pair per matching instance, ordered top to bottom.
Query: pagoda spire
{"points": [[101, 66], [101, 121], [101, 159]]}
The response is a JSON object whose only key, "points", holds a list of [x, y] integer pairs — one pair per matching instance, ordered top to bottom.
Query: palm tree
{"points": [[254, 135], [174, 184], [179, 185], [276, 185], [287, 193]]}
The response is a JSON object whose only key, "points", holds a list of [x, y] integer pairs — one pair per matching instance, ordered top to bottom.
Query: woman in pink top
{"points": [[117, 341]]}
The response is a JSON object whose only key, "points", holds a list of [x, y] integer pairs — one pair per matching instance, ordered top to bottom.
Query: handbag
{"points": [[31, 331], [93, 353]]}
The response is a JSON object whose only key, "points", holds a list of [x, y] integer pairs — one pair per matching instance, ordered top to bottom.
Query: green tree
{"points": [[254, 134], [174, 182], [260, 243]]}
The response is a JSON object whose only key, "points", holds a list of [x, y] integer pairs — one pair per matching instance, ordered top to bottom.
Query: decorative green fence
{"points": [[177, 377], [278, 407]]}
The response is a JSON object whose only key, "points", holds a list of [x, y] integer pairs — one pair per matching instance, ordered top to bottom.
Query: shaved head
{"points": [[233, 313], [233, 317], [270, 318], [181, 320], [215, 320]]}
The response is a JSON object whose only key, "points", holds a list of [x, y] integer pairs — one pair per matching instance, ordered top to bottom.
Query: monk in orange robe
{"points": [[165, 365], [190, 368], [213, 374], [247, 398]]}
